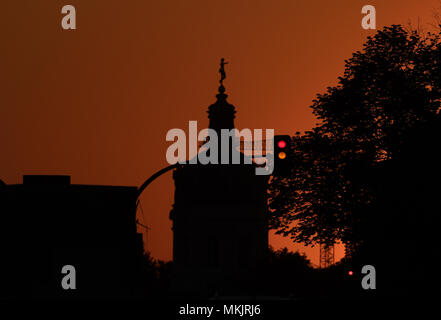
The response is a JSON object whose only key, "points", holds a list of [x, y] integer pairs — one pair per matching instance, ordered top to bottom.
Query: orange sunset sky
{"points": [[96, 103]]}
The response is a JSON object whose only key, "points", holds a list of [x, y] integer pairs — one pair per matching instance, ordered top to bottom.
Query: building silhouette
{"points": [[219, 216], [48, 223]]}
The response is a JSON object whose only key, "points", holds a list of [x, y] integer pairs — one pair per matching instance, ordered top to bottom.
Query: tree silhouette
{"points": [[389, 88], [287, 273], [154, 275]]}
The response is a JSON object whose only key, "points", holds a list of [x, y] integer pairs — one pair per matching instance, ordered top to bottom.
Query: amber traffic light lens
{"points": [[282, 155]]}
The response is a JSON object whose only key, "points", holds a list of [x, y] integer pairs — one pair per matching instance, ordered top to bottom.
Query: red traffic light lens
{"points": [[281, 144], [351, 273]]}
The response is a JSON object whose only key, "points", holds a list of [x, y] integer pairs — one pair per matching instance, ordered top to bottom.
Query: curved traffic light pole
{"points": [[280, 142], [154, 176]]}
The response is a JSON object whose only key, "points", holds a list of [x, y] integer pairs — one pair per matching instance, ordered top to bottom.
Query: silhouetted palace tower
{"points": [[219, 216]]}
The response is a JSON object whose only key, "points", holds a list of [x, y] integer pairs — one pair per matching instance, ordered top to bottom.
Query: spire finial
{"points": [[222, 70], [223, 76]]}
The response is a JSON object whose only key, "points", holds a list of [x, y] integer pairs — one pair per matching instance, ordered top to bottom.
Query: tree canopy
{"points": [[387, 89]]}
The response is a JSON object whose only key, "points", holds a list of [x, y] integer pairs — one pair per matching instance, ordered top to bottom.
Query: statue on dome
{"points": [[222, 70]]}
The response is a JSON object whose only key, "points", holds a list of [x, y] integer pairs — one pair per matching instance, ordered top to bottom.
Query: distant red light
{"points": [[281, 144], [351, 273]]}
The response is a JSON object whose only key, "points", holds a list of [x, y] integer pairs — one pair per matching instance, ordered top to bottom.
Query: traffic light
{"points": [[282, 150]]}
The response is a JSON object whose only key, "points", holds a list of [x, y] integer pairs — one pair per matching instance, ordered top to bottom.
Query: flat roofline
{"points": [[46, 179], [59, 181], [84, 186]]}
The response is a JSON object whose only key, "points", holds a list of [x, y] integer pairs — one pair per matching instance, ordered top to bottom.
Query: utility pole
{"points": [[326, 255]]}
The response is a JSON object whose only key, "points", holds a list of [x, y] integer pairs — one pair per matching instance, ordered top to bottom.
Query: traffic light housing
{"points": [[282, 152]]}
